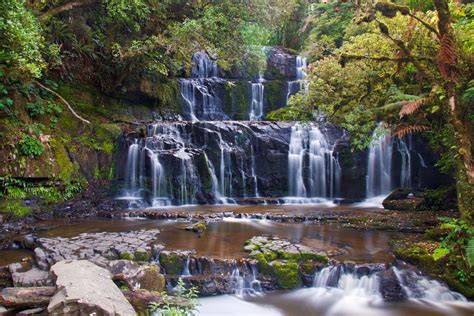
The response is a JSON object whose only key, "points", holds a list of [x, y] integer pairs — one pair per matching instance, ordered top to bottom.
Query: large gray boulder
{"points": [[84, 288]]}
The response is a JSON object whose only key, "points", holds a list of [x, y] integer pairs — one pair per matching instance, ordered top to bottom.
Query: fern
{"points": [[411, 107], [405, 130]]}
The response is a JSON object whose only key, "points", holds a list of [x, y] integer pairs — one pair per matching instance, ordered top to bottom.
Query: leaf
{"points": [[411, 107], [404, 130], [470, 252], [440, 253]]}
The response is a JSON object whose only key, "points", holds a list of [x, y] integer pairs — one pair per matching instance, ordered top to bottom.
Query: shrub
{"points": [[29, 146], [182, 304]]}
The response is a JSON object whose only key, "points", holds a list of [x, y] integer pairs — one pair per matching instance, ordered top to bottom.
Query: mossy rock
{"points": [[142, 255], [127, 256], [172, 262], [286, 274]]}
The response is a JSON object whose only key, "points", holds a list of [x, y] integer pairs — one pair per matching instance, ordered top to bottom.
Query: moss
{"points": [[275, 95], [241, 98], [67, 169], [200, 227], [142, 255], [126, 256], [306, 256], [171, 262], [308, 268], [286, 274]]}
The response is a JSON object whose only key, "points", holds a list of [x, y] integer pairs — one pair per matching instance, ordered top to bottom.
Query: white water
{"points": [[300, 82], [256, 106], [379, 167], [320, 178], [338, 293]]}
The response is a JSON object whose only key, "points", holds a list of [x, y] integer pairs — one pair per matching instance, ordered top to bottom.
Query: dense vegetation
{"points": [[408, 64]]}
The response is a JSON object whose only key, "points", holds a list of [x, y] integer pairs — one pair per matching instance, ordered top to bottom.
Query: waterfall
{"points": [[299, 83], [197, 92], [256, 106], [379, 166], [253, 170], [405, 170], [323, 172], [131, 173], [245, 281]]}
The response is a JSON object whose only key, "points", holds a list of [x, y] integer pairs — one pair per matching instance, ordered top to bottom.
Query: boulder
{"points": [[401, 200], [85, 288]]}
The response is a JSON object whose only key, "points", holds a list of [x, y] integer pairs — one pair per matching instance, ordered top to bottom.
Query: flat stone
{"points": [[33, 277], [85, 288], [33, 311]]}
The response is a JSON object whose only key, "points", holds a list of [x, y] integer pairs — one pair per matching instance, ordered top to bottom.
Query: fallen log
{"points": [[20, 297]]}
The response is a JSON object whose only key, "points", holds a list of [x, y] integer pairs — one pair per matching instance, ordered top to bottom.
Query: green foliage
{"points": [[21, 41], [289, 114], [30, 146], [14, 208], [456, 247], [184, 303]]}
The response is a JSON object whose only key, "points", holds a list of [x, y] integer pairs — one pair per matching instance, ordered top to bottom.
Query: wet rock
{"points": [[280, 65], [401, 200], [198, 227], [98, 247], [173, 261], [138, 276], [5, 277], [33, 277], [207, 285], [85, 288], [390, 288]]}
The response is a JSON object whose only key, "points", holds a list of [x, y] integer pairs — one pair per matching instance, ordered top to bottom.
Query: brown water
{"points": [[225, 239], [13, 255]]}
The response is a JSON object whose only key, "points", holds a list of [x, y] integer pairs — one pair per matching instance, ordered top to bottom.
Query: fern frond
{"points": [[447, 58], [411, 107], [405, 130], [470, 252]]}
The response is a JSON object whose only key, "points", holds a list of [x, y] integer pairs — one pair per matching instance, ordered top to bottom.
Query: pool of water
{"points": [[226, 238]]}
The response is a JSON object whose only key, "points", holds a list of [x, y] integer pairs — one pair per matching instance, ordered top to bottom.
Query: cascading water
{"points": [[299, 83], [201, 102], [256, 107], [309, 144], [379, 166], [405, 169], [414, 285]]}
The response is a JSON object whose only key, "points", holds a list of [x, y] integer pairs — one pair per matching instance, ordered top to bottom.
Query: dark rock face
{"points": [[280, 64], [201, 162], [390, 288]]}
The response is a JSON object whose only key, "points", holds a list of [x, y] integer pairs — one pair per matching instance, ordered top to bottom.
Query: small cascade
{"points": [[299, 83], [197, 92], [256, 106], [310, 150], [379, 166], [186, 272], [245, 282], [350, 282], [415, 286], [419, 287]]}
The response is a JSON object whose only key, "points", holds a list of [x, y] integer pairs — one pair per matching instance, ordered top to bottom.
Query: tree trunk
{"points": [[448, 67], [23, 297]]}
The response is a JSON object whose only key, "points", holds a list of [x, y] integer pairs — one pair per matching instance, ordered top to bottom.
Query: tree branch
{"points": [[65, 7], [62, 100]]}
